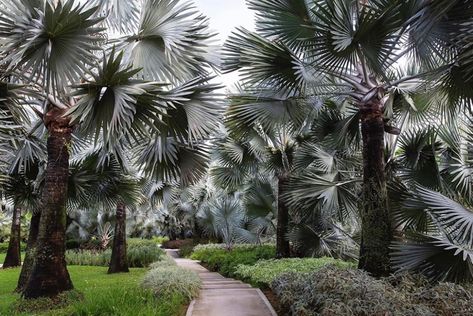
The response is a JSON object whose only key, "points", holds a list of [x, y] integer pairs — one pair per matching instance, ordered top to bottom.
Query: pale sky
{"points": [[225, 16]]}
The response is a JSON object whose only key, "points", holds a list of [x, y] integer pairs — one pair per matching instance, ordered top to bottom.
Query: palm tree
{"points": [[56, 45], [356, 50], [263, 125], [432, 200]]}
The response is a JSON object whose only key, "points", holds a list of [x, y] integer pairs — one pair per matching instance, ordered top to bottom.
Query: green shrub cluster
{"points": [[160, 240], [178, 243], [4, 247], [186, 251], [140, 253], [217, 258], [262, 273], [165, 278], [340, 291]]}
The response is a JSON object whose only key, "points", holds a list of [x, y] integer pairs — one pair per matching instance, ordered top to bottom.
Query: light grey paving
{"points": [[221, 296]]}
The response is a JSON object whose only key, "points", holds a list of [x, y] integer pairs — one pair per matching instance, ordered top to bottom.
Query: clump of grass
{"points": [[262, 273], [172, 280]]}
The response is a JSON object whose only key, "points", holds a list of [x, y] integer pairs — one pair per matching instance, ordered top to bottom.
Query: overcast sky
{"points": [[225, 16]]}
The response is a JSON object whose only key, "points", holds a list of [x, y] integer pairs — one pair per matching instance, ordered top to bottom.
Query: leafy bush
{"points": [[160, 240], [73, 244], [93, 244], [177, 244], [4, 246], [186, 251], [143, 252], [140, 253], [88, 257], [217, 258], [165, 261], [264, 272], [166, 280], [340, 291]]}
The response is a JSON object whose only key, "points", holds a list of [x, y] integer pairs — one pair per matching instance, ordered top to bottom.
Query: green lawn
{"points": [[118, 294]]}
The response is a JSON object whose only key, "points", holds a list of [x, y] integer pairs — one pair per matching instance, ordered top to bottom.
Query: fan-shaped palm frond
{"points": [[121, 15], [290, 21], [50, 42], [171, 43], [263, 62], [113, 102], [265, 108], [193, 110], [417, 153], [166, 160], [92, 183], [330, 192], [259, 199], [224, 217], [452, 218], [446, 253], [438, 258]]}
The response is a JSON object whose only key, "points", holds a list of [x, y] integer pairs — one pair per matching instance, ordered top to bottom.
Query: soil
{"points": [[273, 299]]}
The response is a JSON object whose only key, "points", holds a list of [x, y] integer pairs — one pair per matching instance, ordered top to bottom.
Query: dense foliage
{"points": [[140, 253], [217, 258], [264, 272], [166, 279], [340, 291]]}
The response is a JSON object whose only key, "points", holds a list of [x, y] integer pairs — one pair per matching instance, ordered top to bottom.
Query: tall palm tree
{"points": [[55, 45], [356, 50], [263, 125]]}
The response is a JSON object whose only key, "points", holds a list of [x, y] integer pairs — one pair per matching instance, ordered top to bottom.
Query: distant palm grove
{"points": [[347, 139]]}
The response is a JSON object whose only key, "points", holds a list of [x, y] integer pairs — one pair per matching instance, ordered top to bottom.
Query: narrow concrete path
{"points": [[221, 296]]}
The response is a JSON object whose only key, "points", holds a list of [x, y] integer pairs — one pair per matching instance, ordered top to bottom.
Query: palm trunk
{"points": [[376, 223], [282, 244], [30, 252], [13, 258], [118, 262], [49, 275]]}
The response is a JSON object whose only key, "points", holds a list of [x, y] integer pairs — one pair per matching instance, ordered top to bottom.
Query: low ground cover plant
{"points": [[178, 243], [140, 253], [217, 258], [263, 272], [167, 279], [343, 291]]}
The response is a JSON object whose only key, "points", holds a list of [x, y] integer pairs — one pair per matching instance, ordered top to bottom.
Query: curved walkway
{"points": [[221, 296]]}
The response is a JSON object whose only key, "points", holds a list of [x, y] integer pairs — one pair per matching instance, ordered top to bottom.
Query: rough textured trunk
{"points": [[376, 222], [282, 244], [30, 252], [13, 258], [118, 262], [49, 275]]}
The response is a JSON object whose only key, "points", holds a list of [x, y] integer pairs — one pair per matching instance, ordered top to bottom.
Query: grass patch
{"points": [[217, 258], [262, 273], [103, 294]]}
